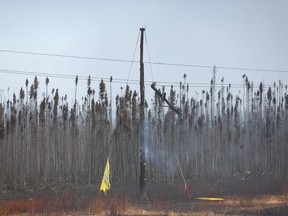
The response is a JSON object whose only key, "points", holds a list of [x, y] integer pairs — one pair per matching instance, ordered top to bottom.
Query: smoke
{"points": [[159, 156]]}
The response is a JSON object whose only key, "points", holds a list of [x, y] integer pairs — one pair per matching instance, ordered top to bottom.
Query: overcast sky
{"points": [[238, 34]]}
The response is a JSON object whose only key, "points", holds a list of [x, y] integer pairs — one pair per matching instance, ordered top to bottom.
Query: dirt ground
{"points": [[243, 197]]}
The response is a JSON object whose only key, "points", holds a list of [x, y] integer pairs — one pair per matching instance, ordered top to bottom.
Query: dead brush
{"points": [[279, 186], [67, 199], [62, 201], [157, 202], [22, 206], [97, 206], [118, 206]]}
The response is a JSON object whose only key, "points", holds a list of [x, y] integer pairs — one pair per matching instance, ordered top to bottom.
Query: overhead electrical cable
{"points": [[155, 63], [118, 80]]}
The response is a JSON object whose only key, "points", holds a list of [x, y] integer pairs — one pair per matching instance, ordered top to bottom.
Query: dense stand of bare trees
{"points": [[220, 136]]}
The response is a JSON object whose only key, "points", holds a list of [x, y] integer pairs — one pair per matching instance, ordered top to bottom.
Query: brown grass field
{"points": [[246, 197]]}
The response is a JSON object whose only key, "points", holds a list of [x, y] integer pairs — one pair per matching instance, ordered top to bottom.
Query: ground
{"points": [[238, 197]]}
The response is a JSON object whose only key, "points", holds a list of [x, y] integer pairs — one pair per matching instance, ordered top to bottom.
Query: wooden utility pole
{"points": [[142, 118]]}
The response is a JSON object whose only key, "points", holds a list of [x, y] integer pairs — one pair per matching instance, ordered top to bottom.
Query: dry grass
{"points": [[261, 200], [87, 201], [52, 204], [121, 205], [22, 206], [97, 206], [116, 206]]}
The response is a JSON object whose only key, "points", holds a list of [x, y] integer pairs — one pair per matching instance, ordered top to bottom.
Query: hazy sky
{"points": [[242, 34]]}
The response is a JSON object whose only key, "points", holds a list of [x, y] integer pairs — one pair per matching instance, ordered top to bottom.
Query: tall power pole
{"points": [[142, 118]]}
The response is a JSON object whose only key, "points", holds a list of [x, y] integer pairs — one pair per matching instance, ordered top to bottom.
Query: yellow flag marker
{"points": [[105, 184], [210, 198]]}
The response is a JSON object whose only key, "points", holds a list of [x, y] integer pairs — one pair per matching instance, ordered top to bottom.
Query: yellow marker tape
{"points": [[209, 198]]}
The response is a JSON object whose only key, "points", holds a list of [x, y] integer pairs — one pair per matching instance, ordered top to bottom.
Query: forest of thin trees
{"points": [[219, 135]]}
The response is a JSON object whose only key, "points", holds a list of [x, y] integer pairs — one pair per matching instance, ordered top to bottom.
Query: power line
{"points": [[66, 56], [155, 63], [252, 69], [94, 78], [119, 80]]}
